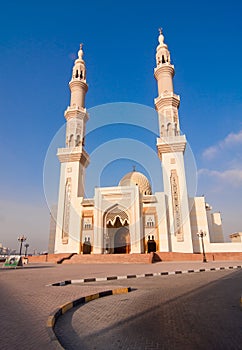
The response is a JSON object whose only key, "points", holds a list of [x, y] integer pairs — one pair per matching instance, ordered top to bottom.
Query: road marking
{"points": [[162, 273]]}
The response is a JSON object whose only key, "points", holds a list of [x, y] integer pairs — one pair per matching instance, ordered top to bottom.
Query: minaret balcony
{"points": [[164, 68], [76, 84], [167, 99], [76, 112], [171, 144], [73, 154]]}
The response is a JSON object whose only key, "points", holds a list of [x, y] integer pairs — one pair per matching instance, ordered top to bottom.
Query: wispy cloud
{"points": [[231, 140], [210, 152], [232, 177]]}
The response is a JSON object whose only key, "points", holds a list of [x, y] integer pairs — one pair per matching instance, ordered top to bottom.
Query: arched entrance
{"points": [[116, 234], [122, 241]]}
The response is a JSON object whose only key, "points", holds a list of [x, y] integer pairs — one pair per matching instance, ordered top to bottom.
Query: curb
{"points": [[155, 274], [53, 317]]}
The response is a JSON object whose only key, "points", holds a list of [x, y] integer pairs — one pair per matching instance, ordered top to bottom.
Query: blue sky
{"points": [[38, 43]]}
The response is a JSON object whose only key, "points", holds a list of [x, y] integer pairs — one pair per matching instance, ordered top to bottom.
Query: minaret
{"points": [[75, 114], [171, 147], [74, 160]]}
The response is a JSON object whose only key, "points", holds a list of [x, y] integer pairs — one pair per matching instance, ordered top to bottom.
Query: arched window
{"points": [[175, 128], [169, 130], [78, 140], [71, 141]]}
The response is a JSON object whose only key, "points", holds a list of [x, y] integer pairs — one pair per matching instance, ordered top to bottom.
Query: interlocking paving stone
{"points": [[26, 301], [192, 311]]}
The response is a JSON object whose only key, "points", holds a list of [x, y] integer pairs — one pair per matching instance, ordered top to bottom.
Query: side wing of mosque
{"points": [[129, 218]]}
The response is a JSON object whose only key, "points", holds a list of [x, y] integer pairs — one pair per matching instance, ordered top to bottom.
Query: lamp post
{"points": [[202, 234], [21, 239], [26, 248]]}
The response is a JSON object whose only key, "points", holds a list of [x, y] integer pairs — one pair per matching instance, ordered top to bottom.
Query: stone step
{"points": [[69, 258], [109, 259]]}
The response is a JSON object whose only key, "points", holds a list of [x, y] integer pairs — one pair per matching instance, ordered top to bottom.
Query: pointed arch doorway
{"points": [[117, 235], [122, 241]]}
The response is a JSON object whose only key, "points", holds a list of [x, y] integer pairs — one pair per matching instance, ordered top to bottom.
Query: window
{"points": [[150, 221], [87, 223], [87, 226]]}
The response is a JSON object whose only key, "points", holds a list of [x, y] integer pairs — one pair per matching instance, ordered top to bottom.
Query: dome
{"points": [[136, 178]]}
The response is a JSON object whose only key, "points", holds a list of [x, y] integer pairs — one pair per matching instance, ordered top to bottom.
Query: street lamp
{"points": [[202, 234], [21, 239], [26, 248]]}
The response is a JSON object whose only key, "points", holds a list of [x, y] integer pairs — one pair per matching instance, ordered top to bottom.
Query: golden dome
{"points": [[136, 178]]}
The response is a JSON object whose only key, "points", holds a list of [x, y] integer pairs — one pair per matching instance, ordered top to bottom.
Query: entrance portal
{"points": [[116, 234], [122, 241]]}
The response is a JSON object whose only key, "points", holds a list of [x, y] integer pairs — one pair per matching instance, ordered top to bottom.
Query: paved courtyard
{"points": [[199, 311], [167, 312]]}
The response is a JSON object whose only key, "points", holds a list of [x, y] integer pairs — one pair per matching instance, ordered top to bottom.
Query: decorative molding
{"points": [[163, 69], [78, 84], [165, 100], [76, 112], [171, 145], [75, 154], [116, 196], [149, 198], [88, 202], [176, 204], [115, 213], [66, 214]]}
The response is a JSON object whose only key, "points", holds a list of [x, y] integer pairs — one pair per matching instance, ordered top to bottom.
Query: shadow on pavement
{"points": [[206, 317]]}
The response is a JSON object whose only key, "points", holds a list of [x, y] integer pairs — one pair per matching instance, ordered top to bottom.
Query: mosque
{"points": [[129, 218]]}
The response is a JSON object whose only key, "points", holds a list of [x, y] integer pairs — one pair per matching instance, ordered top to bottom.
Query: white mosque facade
{"points": [[129, 218]]}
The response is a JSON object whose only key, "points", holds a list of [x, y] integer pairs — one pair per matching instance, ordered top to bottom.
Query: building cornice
{"points": [[163, 69], [78, 84], [167, 99], [76, 112], [171, 145], [75, 154], [88, 202]]}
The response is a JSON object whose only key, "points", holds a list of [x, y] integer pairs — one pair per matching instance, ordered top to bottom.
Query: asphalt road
{"points": [[191, 311]]}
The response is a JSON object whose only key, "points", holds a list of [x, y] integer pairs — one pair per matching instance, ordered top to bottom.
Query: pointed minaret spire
{"points": [[161, 37], [80, 52], [162, 52], [163, 59], [79, 68], [78, 85], [167, 103], [76, 114]]}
